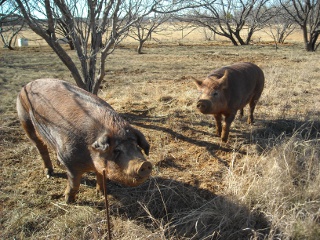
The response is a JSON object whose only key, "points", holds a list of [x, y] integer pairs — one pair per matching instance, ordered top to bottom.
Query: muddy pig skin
{"points": [[227, 90], [84, 131]]}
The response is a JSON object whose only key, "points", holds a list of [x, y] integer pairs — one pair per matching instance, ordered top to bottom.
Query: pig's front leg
{"points": [[217, 118], [226, 128], [73, 185], [99, 186]]}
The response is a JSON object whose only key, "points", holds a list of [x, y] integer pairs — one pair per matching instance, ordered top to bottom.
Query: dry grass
{"points": [[283, 183], [263, 185]]}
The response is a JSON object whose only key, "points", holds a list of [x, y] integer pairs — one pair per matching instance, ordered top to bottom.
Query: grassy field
{"points": [[182, 33], [263, 184]]}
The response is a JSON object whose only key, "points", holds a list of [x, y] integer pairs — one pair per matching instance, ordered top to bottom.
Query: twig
{"points": [[106, 202], [57, 205]]}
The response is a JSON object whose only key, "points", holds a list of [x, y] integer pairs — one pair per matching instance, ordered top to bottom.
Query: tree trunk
{"points": [[249, 36], [281, 37], [240, 40], [313, 40], [70, 43], [235, 43], [307, 43], [9, 47], [139, 49]]}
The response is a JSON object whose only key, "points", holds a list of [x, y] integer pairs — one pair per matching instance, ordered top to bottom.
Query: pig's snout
{"points": [[204, 105], [140, 169], [144, 170], [135, 173]]}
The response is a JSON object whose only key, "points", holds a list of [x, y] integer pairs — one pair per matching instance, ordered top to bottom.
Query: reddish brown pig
{"points": [[227, 90], [85, 132]]}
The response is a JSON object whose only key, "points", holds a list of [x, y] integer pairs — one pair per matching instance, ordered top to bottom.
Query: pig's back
{"points": [[243, 71], [245, 80], [61, 94], [60, 111]]}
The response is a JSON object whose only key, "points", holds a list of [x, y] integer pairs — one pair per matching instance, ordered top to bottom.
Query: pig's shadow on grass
{"points": [[288, 127], [271, 132], [180, 210]]}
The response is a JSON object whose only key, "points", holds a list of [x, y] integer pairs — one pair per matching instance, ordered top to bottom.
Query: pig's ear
{"points": [[224, 80], [198, 83], [142, 141], [102, 143]]}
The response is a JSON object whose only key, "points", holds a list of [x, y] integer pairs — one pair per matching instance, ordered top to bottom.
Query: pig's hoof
{"points": [[250, 121], [224, 139], [48, 172], [99, 192], [70, 199]]}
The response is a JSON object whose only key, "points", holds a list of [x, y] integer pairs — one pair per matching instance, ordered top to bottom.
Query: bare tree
{"points": [[306, 13], [236, 20], [10, 23], [146, 26], [280, 26], [96, 27], [185, 28], [63, 30], [208, 35]]}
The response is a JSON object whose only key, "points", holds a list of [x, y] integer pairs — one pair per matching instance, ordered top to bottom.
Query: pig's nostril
{"points": [[201, 106], [145, 169]]}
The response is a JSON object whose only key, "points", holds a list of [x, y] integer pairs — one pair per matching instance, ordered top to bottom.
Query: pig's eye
{"points": [[215, 94], [139, 148], [116, 153]]}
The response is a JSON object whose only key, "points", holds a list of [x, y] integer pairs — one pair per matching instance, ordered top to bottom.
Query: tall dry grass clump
{"points": [[283, 183]]}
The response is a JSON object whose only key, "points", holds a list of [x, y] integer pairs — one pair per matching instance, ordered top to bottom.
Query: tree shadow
{"points": [[141, 120], [180, 211]]}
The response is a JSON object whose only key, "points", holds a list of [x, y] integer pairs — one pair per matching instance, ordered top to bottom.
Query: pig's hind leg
{"points": [[252, 105], [34, 137]]}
